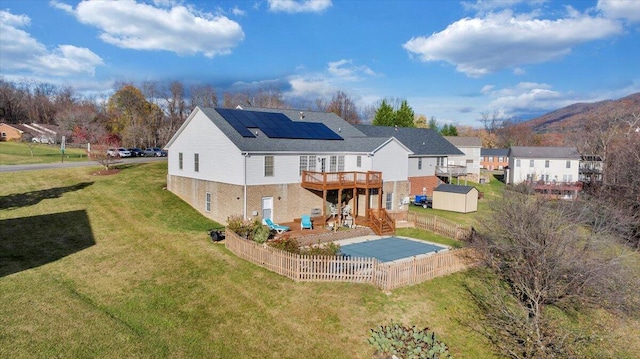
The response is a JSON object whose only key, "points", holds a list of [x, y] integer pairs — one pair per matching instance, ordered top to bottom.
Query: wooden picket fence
{"points": [[439, 225], [386, 276]]}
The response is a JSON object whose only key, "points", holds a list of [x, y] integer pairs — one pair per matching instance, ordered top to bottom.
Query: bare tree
{"points": [[203, 95], [342, 105], [544, 255]]}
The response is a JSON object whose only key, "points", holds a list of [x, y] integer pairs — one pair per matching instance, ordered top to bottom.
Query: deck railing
{"points": [[326, 180], [386, 276]]}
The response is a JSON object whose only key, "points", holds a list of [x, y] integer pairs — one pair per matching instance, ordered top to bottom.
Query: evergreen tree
{"points": [[385, 115], [404, 115], [433, 124]]}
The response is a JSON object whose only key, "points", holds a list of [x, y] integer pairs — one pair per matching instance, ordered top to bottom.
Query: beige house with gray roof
{"points": [[470, 147]]}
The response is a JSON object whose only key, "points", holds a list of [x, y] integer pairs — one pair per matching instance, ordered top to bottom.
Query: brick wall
{"points": [[426, 182]]}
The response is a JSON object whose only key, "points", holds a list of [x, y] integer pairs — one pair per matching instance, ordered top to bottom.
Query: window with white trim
{"points": [[180, 160], [359, 161], [196, 162], [440, 162], [304, 163], [333, 163], [340, 163], [419, 163], [517, 163], [531, 163], [546, 164], [568, 164], [268, 166], [389, 201], [207, 202]]}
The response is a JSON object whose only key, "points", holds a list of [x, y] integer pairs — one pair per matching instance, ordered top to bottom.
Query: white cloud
{"points": [[488, 5], [293, 6], [628, 10], [237, 11], [179, 29], [484, 45], [23, 55], [345, 70], [528, 97]]}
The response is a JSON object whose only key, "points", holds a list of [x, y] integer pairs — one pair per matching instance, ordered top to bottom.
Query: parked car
{"points": [[155, 151], [118, 152], [136, 152]]}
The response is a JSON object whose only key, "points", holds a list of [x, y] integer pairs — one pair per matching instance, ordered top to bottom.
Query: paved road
{"points": [[44, 166]]}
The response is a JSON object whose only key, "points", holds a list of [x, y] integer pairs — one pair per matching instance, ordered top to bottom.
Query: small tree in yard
{"points": [[537, 254]]}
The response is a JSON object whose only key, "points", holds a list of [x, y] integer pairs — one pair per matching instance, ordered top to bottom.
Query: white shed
{"points": [[448, 197]]}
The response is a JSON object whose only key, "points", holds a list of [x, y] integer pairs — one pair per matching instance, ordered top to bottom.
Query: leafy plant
{"points": [[243, 228], [261, 234], [286, 243], [327, 249], [396, 339]]}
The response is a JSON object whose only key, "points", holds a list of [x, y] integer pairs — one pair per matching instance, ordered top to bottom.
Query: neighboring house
{"points": [[10, 132], [28, 132], [470, 159], [493, 159], [428, 161], [281, 164], [590, 168], [551, 170], [449, 197]]}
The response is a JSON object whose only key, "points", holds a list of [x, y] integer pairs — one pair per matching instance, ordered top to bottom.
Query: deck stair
{"points": [[380, 222]]}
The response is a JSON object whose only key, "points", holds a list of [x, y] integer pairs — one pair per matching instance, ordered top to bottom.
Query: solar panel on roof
{"points": [[276, 125]]}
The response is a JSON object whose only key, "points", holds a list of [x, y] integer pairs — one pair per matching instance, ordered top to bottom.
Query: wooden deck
{"points": [[340, 180]]}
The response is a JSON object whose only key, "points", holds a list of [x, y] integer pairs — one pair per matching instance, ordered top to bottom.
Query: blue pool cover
{"points": [[389, 249]]}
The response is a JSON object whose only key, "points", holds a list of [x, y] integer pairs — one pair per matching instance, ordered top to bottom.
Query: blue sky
{"points": [[452, 60]]}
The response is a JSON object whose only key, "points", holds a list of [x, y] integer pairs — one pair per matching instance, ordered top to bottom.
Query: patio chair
{"points": [[333, 210], [346, 211], [305, 222], [276, 227]]}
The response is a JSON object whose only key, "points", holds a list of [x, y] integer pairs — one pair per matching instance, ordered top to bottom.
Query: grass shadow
{"points": [[18, 200], [30, 242]]}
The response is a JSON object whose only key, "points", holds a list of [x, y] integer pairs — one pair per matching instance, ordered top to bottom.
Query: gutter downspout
{"points": [[244, 189]]}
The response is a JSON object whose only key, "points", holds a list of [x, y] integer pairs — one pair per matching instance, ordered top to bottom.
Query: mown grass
{"points": [[18, 153], [490, 191], [116, 266]]}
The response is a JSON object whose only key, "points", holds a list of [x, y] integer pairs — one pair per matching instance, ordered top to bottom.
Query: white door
{"points": [[267, 208]]}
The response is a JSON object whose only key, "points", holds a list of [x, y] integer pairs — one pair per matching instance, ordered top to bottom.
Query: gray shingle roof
{"points": [[353, 141], [421, 141], [461, 141], [504, 152], [544, 152], [451, 188]]}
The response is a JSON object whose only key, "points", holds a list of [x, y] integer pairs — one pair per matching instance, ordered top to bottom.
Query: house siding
{"points": [[10, 133], [220, 160], [387, 160], [428, 167], [555, 172], [456, 202]]}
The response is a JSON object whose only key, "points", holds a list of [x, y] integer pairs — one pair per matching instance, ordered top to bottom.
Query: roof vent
{"points": [[301, 115], [396, 127], [339, 129]]}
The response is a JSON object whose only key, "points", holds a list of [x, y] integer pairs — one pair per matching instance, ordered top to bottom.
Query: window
{"points": [[3, 135], [490, 158], [500, 159], [180, 160], [359, 161], [441, 161], [196, 162], [304, 163], [312, 163], [333, 163], [340, 163], [419, 163], [517, 163], [531, 163], [546, 164], [568, 164], [268, 166], [389, 201], [207, 202]]}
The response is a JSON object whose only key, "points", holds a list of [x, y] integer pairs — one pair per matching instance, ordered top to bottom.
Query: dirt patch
{"points": [[108, 172]]}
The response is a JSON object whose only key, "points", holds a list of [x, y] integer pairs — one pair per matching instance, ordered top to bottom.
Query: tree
{"points": [[203, 95], [342, 105], [384, 115], [404, 115], [420, 121], [433, 124], [449, 130], [541, 253]]}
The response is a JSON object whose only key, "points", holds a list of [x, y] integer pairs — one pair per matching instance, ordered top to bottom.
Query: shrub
{"points": [[243, 228], [261, 234], [287, 244], [327, 249], [404, 342]]}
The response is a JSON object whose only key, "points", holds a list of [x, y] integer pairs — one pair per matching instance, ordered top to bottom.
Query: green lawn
{"points": [[18, 153], [490, 191], [116, 266]]}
